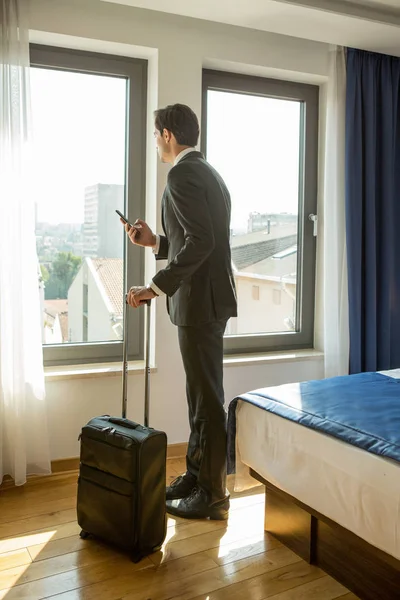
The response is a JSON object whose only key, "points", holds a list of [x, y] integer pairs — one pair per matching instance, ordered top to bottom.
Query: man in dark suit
{"points": [[199, 285]]}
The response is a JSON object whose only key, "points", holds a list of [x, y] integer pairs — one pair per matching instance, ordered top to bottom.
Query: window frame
{"points": [[135, 71], [308, 95]]}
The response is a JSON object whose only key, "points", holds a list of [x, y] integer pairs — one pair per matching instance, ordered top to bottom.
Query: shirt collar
{"points": [[182, 154]]}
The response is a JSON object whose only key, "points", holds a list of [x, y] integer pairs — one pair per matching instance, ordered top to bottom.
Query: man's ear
{"points": [[167, 135]]}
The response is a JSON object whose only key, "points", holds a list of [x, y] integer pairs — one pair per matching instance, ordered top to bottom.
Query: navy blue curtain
{"points": [[373, 209]]}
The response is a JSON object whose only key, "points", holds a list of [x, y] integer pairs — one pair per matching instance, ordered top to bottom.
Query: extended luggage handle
{"points": [[125, 363]]}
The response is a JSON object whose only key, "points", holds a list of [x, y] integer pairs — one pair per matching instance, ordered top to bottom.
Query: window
{"points": [[89, 136], [262, 136], [256, 292], [277, 296]]}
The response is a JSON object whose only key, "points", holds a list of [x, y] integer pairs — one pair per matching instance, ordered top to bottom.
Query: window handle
{"points": [[314, 219]]}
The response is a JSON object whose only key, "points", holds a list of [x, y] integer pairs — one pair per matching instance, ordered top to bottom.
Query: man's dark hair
{"points": [[179, 120]]}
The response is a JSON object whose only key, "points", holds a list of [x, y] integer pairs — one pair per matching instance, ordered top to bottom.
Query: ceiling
{"points": [[378, 3], [224, 10], [366, 24]]}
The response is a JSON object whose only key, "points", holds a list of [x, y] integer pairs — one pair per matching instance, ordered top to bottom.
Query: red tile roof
{"points": [[111, 274]]}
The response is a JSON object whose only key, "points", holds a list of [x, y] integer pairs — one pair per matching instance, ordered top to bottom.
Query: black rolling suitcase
{"points": [[122, 477]]}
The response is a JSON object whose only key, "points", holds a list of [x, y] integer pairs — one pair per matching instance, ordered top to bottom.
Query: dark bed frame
{"points": [[365, 570]]}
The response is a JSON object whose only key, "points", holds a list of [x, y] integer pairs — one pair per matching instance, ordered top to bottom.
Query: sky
{"points": [[79, 140], [253, 142]]}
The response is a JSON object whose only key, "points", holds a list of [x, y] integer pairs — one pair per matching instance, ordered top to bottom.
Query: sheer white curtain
{"points": [[336, 314], [24, 447]]}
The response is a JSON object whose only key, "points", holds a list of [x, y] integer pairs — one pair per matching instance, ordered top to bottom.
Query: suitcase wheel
{"points": [[84, 534], [135, 558]]}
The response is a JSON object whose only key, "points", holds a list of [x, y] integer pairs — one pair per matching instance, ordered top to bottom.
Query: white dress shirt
{"points": [[156, 248]]}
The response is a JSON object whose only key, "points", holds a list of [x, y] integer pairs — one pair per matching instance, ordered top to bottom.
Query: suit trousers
{"points": [[202, 355]]}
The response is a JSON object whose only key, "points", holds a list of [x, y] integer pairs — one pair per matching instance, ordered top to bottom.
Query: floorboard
{"points": [[42, 555]]}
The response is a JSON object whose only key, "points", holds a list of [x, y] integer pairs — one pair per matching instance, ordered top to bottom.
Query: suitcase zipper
{"points": [[107, 444], [103, 487]]}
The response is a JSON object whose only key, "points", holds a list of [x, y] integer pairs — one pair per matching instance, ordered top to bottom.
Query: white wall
{"points": [[178, 48], [75, 305], [98, 309], [262, 314], [99, 318], [52, 333]]}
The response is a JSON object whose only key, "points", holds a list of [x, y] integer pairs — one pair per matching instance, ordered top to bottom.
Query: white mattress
{"points": [[357, 489]]}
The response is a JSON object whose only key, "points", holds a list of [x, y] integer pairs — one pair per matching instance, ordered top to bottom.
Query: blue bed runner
{"points": [[361, 409]]}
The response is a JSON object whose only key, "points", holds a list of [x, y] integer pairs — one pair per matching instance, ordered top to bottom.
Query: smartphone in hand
{"points": [[124, 218], [137, 228]]}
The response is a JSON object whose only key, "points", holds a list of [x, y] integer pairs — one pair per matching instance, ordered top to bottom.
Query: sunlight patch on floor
{"points": [[243, 501], [171, 530], [18, 542], [228, 547], [15, 558], [14, 574]]}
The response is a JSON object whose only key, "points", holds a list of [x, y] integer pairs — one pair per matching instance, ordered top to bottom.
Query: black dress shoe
{"points": [[181, 487], [198, 506]]}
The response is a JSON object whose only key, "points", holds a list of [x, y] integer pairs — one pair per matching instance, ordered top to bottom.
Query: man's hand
{"points": [[140, 233], [138, 295]]}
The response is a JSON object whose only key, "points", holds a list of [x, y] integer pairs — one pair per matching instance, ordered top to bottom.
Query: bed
{"points": [[328, 453]]}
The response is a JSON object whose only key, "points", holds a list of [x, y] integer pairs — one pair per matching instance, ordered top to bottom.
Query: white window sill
{"points": [[241, 360], [89, 371]]}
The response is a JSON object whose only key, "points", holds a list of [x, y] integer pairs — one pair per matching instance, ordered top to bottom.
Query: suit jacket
{"points": [[196, 211]]}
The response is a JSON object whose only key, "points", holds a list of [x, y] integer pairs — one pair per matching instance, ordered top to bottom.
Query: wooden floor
{"points": [[42, 555]]}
